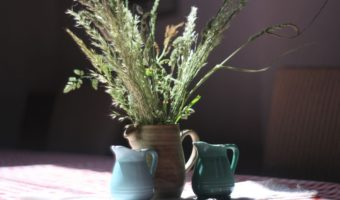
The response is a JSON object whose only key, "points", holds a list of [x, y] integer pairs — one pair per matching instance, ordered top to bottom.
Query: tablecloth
{"points": [[40, 176]]}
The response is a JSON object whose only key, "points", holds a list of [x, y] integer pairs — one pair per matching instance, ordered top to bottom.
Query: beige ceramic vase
{"points": [[171, 169]]}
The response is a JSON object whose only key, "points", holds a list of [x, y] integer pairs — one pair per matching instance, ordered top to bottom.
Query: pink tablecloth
{"points": [[27, 175]]}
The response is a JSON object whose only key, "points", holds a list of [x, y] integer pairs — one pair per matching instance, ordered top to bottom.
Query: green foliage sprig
{"points": [[150, 84]]}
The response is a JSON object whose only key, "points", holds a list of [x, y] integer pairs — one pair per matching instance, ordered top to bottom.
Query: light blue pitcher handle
{"points": [[236, 154], [154, 161]]}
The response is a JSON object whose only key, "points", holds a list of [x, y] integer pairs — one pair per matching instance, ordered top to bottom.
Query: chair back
{"points": [[303, 135]]}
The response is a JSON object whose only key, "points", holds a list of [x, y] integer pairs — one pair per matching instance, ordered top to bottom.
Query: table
{"points": [[38, 176]]}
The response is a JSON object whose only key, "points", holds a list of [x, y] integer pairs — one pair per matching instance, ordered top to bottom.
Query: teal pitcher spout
{"points": [[201, 146], [213, 150]]}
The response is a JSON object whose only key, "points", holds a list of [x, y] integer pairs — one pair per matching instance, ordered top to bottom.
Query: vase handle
{"points": [[193, 157]]}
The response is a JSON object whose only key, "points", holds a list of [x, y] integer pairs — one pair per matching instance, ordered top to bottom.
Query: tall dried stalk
{"points": [[150, 84]]}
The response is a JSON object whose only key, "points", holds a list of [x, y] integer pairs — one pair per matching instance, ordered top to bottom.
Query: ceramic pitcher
{"points": [[171, 168], [213, 175], [132, 178]]}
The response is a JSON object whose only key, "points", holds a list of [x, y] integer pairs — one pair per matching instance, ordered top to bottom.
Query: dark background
{"points": [[37, 56]]}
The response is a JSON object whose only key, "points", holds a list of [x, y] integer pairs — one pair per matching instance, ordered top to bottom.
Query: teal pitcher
{"points": [[213, 174], [132, 178]]}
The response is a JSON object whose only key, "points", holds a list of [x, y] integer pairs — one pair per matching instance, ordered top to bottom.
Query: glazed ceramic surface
{"points": [[167, 141], [213, 174], [132, 178]]}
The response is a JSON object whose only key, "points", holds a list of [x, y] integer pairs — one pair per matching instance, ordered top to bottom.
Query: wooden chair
{"points": [[303, 136]]}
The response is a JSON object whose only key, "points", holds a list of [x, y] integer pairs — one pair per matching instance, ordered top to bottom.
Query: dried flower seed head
{"points": [[171, 31]]}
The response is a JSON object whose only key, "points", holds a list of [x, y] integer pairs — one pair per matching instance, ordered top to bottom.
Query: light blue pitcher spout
{"points": [[122, 153]]}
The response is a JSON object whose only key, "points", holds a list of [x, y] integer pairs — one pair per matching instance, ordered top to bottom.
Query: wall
{"points": [[37, 57], [235, 106]]}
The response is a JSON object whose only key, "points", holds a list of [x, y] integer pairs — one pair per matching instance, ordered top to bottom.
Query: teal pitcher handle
{"points": [[236, 154], [154, 161]]}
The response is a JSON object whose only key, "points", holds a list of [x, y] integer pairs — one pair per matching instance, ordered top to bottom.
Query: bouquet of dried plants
{"points": [[151, 83]]}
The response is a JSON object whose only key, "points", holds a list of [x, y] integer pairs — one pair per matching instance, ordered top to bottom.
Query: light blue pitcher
{"points": [[132, 178]]}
